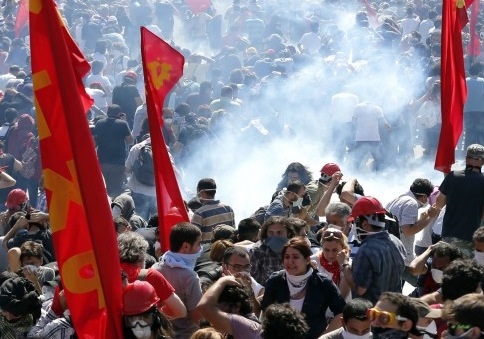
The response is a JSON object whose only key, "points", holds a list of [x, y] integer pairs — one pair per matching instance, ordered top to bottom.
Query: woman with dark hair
{"points": [[295, 171], [304, 288], [20, 306], [141, 317]]}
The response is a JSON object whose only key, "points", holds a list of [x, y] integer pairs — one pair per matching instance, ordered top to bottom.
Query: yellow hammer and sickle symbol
{"points": [[460, 3], [159, 72]]}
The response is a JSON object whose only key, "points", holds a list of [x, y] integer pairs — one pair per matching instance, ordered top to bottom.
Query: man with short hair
{"points": [[127, 96], [111, 135], [462, 192], [291, 197], [405, 208], [212, 212], [337, 213], [248, 231], [132, 249], [379, 262], [177, 265], [430, 266], [394, 316], [465, 316], [355, 321]]}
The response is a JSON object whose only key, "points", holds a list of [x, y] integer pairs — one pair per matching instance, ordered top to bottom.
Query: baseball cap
{"points": [[475, 151], [424, 309]]}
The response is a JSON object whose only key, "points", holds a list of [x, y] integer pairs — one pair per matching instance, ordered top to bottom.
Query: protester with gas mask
{"points": [[266, 255], [379, 262], [142, 318], [355, 321]]}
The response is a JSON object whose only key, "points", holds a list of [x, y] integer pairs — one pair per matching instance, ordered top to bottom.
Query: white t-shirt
{"points": [[342, 107], [367, 117]]}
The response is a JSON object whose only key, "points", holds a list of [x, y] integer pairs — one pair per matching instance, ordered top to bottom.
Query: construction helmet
{"points": [[328, 170], [15, 198], [368, 206], [139, 297]]}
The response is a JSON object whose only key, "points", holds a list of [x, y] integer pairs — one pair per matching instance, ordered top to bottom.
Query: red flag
{"points": [[198, 6], [22, 17], [474, 47], [162, 68], [453, 83], [82, 225]]}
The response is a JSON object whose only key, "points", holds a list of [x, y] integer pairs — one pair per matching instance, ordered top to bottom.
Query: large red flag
{"points": [[22, 17], [474, 47], [162, 67], [453, 82], [82, 225]]}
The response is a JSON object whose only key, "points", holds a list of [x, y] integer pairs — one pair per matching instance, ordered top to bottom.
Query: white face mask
{"points": [[168, 121], [298, 202], [116, 211], [479, 257], [437, 275], [432, 328], [141, 330], [348, 335]]}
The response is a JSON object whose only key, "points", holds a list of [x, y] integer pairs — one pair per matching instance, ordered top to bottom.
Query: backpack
{"points": [[143, 168], [392, 226]]}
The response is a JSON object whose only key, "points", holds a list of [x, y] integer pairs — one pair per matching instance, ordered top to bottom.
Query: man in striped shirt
{"points": [[212, 212]]}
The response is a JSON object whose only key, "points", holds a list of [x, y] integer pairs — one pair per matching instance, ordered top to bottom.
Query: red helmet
{"points": [[130, 75], [328, 170], [15, 198], [367, 206], [139, 297]]}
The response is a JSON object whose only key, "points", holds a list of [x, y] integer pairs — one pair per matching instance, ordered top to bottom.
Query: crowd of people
{"points": [[264, 82]]}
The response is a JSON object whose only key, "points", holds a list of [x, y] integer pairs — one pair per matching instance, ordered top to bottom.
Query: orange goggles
{"points": [[385, 318]]}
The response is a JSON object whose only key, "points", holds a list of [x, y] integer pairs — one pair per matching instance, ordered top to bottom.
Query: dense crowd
{"points": [[351, 85]]}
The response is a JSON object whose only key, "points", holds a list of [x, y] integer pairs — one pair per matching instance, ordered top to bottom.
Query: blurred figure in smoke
{"points": [[342, 107], [473, 109], [367, 118], [429, 120]]}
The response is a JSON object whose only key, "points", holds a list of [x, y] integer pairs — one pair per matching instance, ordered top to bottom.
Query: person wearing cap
{"points": [[127, 96], [111, 135], [462, 192], [405, 208], [212, 212], [379, 262], [141, 317], [465, 317], [426, 319]]}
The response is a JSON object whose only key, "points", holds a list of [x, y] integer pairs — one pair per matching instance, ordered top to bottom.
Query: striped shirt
{"points": [[211, 214]]}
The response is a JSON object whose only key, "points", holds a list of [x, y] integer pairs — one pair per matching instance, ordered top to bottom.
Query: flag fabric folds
{"points": [[22, 17], [474, 47], [162, 68], [453, 82], [82, 225]]}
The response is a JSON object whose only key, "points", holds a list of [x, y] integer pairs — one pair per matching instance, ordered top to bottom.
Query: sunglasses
{"points": [[332, 234], [385, 318], [451, 328]]}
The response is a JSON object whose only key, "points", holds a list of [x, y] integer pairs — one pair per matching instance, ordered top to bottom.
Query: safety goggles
{"points": [[332, 234], [384, 318], [133, 323], [452, 328]]}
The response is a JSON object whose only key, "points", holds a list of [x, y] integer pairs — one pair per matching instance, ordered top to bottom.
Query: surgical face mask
{"points": [[168, 121], [298, 202], [421, 204], [116, 211], [276, 243], [479, 257], [437, 275], [432, 328], [348, 335], [463, 335]]}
